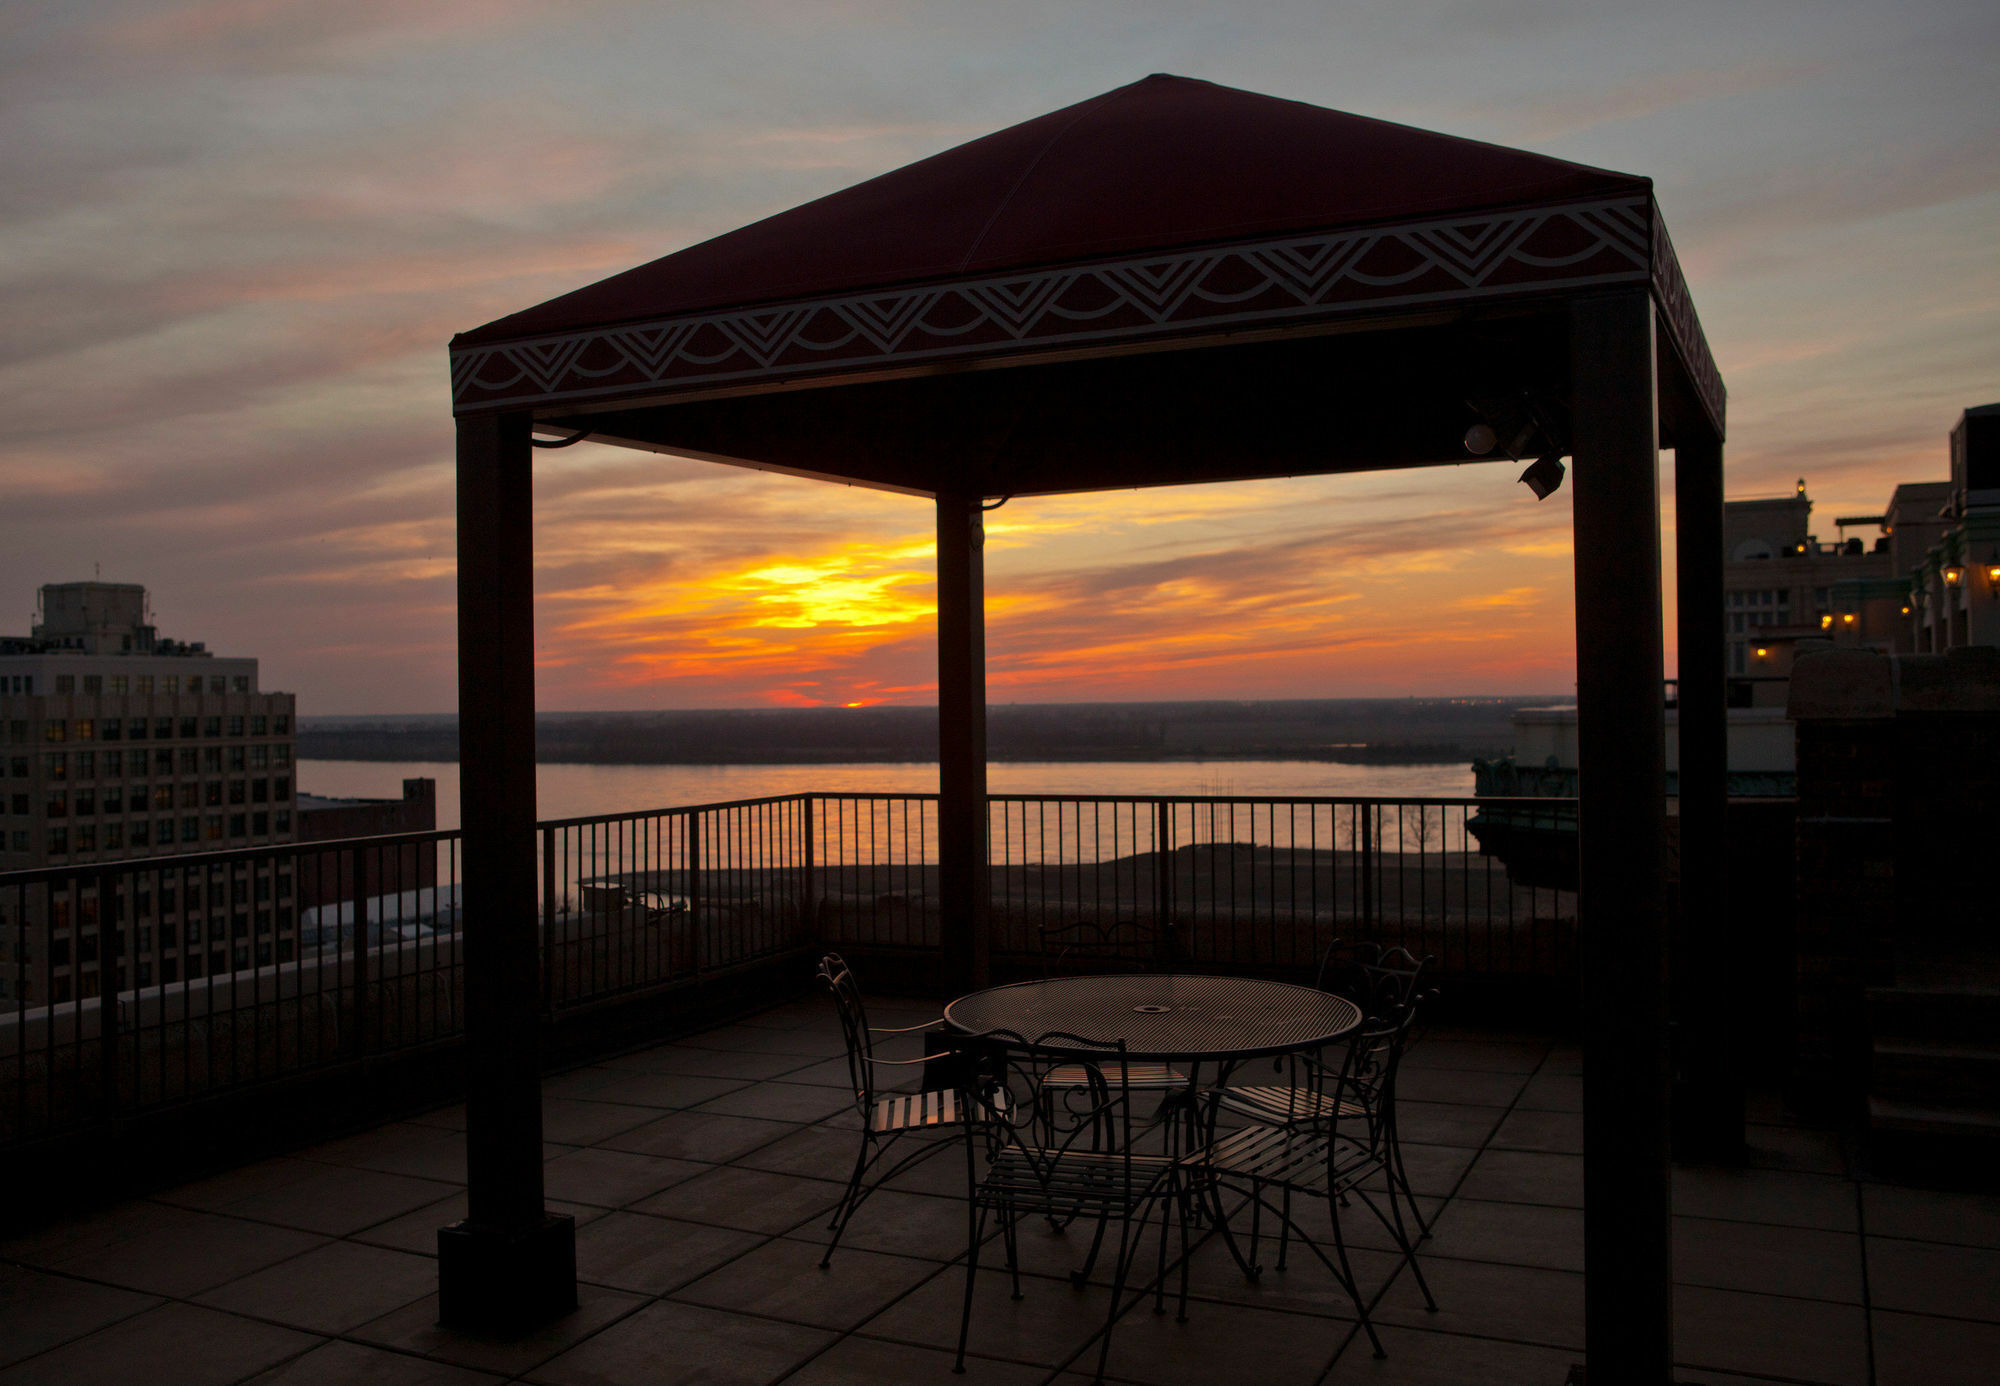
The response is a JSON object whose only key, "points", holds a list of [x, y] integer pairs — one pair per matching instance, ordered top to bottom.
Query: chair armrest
{"points": [[899, 1029], [896, 1063]]}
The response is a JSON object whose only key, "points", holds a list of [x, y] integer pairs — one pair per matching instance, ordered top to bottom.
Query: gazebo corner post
{"points": [[1621, 793], [964, 870], [1708, 1103], [509, 1264]]}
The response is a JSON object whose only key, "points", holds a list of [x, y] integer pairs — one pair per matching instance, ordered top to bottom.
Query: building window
{"points": [[65, 683], [119, 683], [170, 683], [216, 683], [242, 683], [143, 684], [93, 685], [281, 725], [211, 726], [236, 726], [260, 726], [187, 728], [55, 729], [86, 729], [163, 729], [111, 730], [135, 730], [281, 756], [260, 757], [211, 759], [236, 760], [163, 761], [189, 761], [114, 763], [55, 765], [86, 765], [18, 767], [281, 788], [260, 791], [211, 793], [237, 793], [163, 796], [190, 796], [114, 799], [86, 803], [57, 804], [20, 806], [281, 822], [260, 824], [239, 826], [215, 827], [191, 829], [163, 834], [140, 836], [86, 837], [114, 837], [19, 840], [58, 841]]}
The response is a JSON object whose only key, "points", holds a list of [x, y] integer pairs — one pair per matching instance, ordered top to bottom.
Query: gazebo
{"points": [[1172, 282]]}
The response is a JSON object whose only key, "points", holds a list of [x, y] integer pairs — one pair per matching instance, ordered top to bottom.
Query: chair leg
{"points": [[1401, 1176], [844, 1210], [1008, 1219], [976, 1229], [1285, 1229], [1128, 1247], [1080, 1278], [1353, 1285]]}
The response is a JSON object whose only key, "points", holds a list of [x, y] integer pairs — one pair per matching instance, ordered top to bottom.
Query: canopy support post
{"points": [[1621, 794], [964, 880], [1709, 1103], [509, 1263]]}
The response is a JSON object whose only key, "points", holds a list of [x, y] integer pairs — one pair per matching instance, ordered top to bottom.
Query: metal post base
{"points": [[506, 1281]]}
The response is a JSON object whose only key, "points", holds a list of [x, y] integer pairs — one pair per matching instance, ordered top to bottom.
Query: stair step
{"points": [[1960, 1013], [1952, 1072], [1889, 1114]]}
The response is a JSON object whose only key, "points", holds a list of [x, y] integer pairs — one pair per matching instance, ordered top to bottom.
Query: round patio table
{"points": [[1165, 1017]]}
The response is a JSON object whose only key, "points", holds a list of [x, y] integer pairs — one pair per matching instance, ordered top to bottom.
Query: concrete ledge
{"points": [[1962, 680], [1841, 686]]}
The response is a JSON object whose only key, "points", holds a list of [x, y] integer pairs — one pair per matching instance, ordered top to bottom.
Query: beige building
{"points": [[1782, 584], [116, 744]]}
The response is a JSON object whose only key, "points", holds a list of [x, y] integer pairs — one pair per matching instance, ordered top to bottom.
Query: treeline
{"points": [[1356, 731]]}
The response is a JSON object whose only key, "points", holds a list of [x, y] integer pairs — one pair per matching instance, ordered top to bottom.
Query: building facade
{"points": [[1781, 584], [115, 745]]}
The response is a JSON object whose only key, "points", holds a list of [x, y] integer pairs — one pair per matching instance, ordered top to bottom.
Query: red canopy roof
{"points": [[1164, 162]]}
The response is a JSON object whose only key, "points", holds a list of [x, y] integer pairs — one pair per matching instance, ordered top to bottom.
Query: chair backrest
{"points": [[1126, 945], [1375, 978], [837, 979], [1367, 1083], [1017, 1112]]}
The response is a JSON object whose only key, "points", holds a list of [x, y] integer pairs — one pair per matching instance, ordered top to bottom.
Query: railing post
{"points": [[1365, 814], [809, 863], [693, 870], [1163, 877], [357, 891], [548, 920], [108, 931]]}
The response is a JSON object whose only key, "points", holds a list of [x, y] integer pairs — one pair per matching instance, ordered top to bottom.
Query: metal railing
{"points": [[133, 986]]}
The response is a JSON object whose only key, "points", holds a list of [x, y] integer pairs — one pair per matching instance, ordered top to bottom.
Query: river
{"points": [[573, 791]]}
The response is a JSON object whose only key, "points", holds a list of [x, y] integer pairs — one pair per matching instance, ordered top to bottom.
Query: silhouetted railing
{"points": [[132, 986]]}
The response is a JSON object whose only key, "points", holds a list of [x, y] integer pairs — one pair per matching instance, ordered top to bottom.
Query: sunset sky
{"points": [[236, 235]]}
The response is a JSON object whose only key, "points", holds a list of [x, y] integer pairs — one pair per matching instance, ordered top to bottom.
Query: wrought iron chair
{"points": [[1086, 946], [886, 1117], [1335, 1140], [1083, 1167]]}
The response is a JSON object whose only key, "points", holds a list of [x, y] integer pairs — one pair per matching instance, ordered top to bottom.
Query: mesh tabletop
{"points": [[1164, 1016]]}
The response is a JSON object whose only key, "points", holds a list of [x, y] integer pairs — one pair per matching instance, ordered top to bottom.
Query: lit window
{"points": [[119, 683], [55, 729]]}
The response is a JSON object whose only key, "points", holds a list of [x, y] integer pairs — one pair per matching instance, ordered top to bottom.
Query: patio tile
{"points": [[748, 1039], [1483, 1056], [689, 1061], [827, 1073], [1459, 1085], [668, 1090], [1553, 1092], [783, 1101], [451, 1118], [570, 1121], [1445, 1123], [1558, 1133], [710, 1137], [366, 1146], [1798, 1148], [817, 1152], [442, 1158], [1435, 1170], [1521, 1176], [603, 1178], [218, 1192], [1758, 1195], [342, 1199], [751, 1199], [1931, 1216], [904, 1224], [417, 1231], [1517, 1234], [69, 1239], [652, 1255], [188, 1257], [1800, 1261], [1932, 1278], [782, 1280], [1305, 1286], [329, 1289], [1521, 1304], [40, 1311], [1050, 1320], [414, 1328], [1769, 1335], [669, 1344], [1218, 1344], [173, 1345], [1913, 1350], [1447, 1359], [869, 1362], [351, 1364]]}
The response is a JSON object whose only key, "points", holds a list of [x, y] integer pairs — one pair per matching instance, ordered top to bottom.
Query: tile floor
{"points": [[700, 1174]]}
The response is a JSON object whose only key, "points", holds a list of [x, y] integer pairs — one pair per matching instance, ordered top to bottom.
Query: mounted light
{"points": [[1480, 439], [1543, 476], [1953, 575], [1993, 581], [1847, 618], [1825, 619], [1761, 652]]}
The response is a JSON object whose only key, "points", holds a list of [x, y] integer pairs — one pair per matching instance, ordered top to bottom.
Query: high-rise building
{"points": [[117, 744]]}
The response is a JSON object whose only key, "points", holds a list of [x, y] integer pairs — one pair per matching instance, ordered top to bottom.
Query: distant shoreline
{"points": [[1346, 731]]}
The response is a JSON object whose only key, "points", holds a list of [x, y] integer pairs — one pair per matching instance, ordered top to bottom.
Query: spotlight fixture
{"points": [[1515, 425], [1543, 476], [1953, 575], [1847, 618], [1762, 651]]}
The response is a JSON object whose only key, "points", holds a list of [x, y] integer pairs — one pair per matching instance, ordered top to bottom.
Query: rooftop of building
{"points": [[701, 1173]]}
